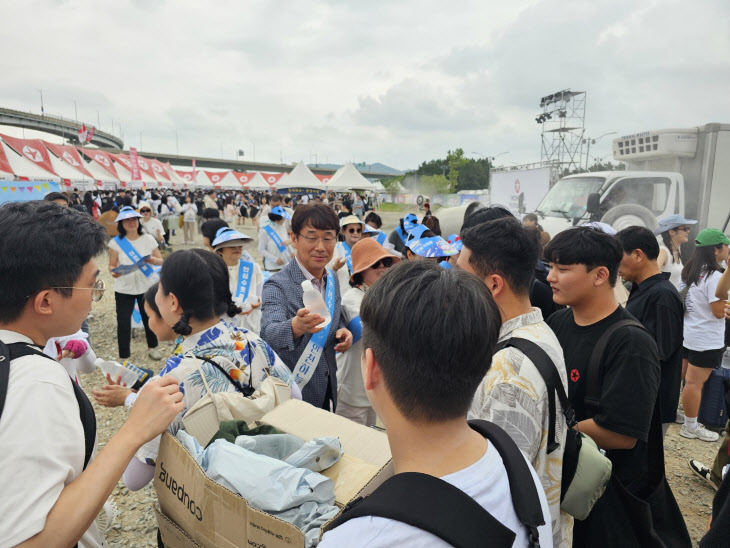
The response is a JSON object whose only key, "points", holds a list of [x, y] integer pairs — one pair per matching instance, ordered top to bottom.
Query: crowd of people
{"points": [[499, 360]]}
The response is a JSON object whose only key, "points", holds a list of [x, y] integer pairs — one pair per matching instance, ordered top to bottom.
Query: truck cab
{"points": [[618, 198]]}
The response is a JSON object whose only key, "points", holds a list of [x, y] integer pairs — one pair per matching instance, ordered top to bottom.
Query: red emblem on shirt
{"points": [[574, 375]]}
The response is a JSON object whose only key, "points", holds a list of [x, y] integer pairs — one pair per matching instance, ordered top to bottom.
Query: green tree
{"points": [[456, 161], [598, 166], [434, 167], [474, 175], [435, 184], [391, 185]]}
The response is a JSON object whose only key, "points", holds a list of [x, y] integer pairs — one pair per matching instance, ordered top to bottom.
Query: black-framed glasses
{"points": [[387, 262], [97, 290]]}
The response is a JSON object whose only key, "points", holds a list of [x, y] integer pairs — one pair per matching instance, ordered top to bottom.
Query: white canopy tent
{"points": [[24, 168], [300, 177], [349, 178], [229, 182], [257, 182]]}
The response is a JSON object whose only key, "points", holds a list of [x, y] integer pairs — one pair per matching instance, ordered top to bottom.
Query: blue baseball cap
{"points": [[278, 210], [127, 212], [410, 221], [673, 221], [226, 235], [455, 242], [434, 246]]}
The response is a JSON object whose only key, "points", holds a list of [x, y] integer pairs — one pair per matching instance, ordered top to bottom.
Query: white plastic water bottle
{"points": [[314, 301], [130, 374]]}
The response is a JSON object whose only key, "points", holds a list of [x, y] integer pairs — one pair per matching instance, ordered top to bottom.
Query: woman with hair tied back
{"points": [[673, 231], [192, 296]]}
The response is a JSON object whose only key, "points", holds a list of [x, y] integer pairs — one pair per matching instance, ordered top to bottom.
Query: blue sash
{"points": [[402, 234], [274, 236], [380, 238], [129, 250], [348, 255], [446, 264], [245, 273], [355, 327], [308, 361]]}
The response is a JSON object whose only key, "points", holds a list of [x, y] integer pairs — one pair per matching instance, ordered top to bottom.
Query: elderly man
{"points": [[291, 330]]}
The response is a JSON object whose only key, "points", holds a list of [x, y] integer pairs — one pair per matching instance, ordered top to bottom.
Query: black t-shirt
{"points": [[656, 303], [629, 381]]}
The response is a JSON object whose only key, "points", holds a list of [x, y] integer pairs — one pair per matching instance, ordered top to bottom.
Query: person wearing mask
{"points": [[190, 214], [150, 225], [351, 229], [673, 231], [397, 238], [274, 241], [125, 250], [369, 262], [245, 278], [186, 300], [655, 302], [704, 325], [295, 333], [408, 369], [514, 394], [625, 421], [53, 479]]}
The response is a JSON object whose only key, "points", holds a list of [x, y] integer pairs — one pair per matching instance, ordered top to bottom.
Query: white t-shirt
{"points": [[153, 227], [674, 269], [135, 283], [702, 330], [350, 387], [42, 442], [485, 481]]}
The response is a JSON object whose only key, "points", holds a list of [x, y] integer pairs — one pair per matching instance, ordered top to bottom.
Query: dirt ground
{"points": [[135, 526]]}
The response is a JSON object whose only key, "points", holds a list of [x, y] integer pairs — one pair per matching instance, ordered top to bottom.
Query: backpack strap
{"points": [[14, 351], [545, 366], [593, 372], [436, 506]]}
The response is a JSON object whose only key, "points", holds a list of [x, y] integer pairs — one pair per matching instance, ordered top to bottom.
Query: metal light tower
{"points": [[562, 122]]}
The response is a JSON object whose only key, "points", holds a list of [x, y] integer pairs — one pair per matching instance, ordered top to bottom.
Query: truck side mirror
{"points": [[593, 204]]}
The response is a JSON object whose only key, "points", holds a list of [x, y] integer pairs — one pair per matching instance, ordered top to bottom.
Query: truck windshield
{"points": [[569, 196]]}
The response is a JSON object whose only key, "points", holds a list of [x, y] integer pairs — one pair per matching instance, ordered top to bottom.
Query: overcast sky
{"points": [[397, 82]]}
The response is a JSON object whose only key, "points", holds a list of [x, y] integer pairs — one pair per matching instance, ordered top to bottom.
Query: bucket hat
{"points": [[350, 220], [673, 221], [366, 253]]}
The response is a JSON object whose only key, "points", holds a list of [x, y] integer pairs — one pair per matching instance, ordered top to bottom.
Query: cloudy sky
{"points": [[397, 82]]}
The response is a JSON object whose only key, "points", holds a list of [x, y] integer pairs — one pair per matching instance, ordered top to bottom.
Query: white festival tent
{"points": [[25, 169], [300, 177], [349, 178], [203, 181], [229, 182], [257, 182], [378, 186]]}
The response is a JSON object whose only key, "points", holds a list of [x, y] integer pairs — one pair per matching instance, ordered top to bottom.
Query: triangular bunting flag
{"points": [[45, 186], [4, 188], [12, 188], [30, 188], [38, 188], [21, 189]]}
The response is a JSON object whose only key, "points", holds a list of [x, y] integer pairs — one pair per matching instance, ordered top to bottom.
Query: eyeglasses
{"points": [[145, 211], [683, 228], [355, 231], [327, 240], [387, 262], [97, 290]]}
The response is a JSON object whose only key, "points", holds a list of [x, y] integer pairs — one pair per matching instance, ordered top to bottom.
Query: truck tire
{"points": [[419, 200], [626, 215]]}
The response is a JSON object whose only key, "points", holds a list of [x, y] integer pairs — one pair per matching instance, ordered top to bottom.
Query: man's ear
{"points": [[602, 275], [495, 284], [43, 303], [371, 374]]}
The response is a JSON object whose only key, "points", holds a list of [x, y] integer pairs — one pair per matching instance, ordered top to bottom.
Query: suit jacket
{"points": [[282, 297]]}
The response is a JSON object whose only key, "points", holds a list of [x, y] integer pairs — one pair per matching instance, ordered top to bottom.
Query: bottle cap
{"points": [[307, 286]]}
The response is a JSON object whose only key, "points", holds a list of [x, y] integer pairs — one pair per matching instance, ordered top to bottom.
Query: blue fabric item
{"points": [[278, 210], [127, 212], [673, 221], [226, 234], [274, 236], [381, 238], [455, 242], [435, 246], [134, 256], [355, 327], [315, 455], [296, 495]]}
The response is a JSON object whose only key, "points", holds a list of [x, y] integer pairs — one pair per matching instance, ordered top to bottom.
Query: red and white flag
{"points": [[83, 132], [90, 134], [136, 175]]}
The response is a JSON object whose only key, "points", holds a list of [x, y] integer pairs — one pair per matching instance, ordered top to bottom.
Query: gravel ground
{"points": [[136, 526]]}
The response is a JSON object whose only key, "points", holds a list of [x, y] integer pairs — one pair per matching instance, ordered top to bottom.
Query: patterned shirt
{"points": [[513, 395]]}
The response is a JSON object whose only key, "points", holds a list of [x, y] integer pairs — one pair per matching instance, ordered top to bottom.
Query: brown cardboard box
{"points": [[196, 511]]}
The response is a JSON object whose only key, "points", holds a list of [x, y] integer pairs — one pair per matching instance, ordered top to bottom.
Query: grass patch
{"points": [[392, 208]]}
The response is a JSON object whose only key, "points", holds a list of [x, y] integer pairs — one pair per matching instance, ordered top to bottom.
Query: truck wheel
{"points": [[419, 200], [626, 215]]}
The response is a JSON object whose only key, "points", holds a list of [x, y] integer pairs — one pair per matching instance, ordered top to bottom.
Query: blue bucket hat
{"points": [[278, 210], [127, 212], [410, 221], [673, 221], [225, 235], [455, 242], [434, 246]]}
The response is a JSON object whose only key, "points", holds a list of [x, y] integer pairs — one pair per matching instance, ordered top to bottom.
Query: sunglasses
{"points": [[145, 211], [683, 228], [355, 231], [387, 262]]}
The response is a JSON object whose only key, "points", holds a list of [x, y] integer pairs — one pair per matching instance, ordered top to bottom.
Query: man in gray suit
{"points": [[287, 326]]}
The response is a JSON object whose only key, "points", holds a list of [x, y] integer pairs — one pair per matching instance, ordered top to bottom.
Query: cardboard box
{"points": [[196, 511]]}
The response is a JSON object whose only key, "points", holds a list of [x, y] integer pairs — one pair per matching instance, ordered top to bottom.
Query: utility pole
{"points": [[76, 111], [43, 112], [98, 120], [140, 139], [177, 144]]}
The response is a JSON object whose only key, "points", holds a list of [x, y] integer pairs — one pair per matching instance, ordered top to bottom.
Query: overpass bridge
{"points": [[63, 127]]}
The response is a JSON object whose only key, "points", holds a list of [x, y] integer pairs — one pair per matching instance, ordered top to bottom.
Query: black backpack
{"points": [[10, 352], [436, 506]]}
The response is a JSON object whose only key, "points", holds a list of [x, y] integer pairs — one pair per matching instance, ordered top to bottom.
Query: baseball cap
{"points": [[711, 236]]}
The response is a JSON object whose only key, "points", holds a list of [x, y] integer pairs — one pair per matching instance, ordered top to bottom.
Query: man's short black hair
{"points": [[53, 196], [211, 213], [485, 215], [318, 216], [209, 228], [639, 237], [43, 245], [588, 246], [503, 247], [433, 332]]}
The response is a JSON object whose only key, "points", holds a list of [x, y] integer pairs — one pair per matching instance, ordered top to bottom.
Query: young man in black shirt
{"points": [[584, 268], [655, 302]]}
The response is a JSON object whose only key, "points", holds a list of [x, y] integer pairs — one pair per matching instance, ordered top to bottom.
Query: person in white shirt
{"points": [[210, 200], [190, 215], [151, 225], [351, 228], [672, 232], [275, 242], [128, 249], [369, 262], [246, 280], [428, 338], [73, 352], [52, 487]]}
